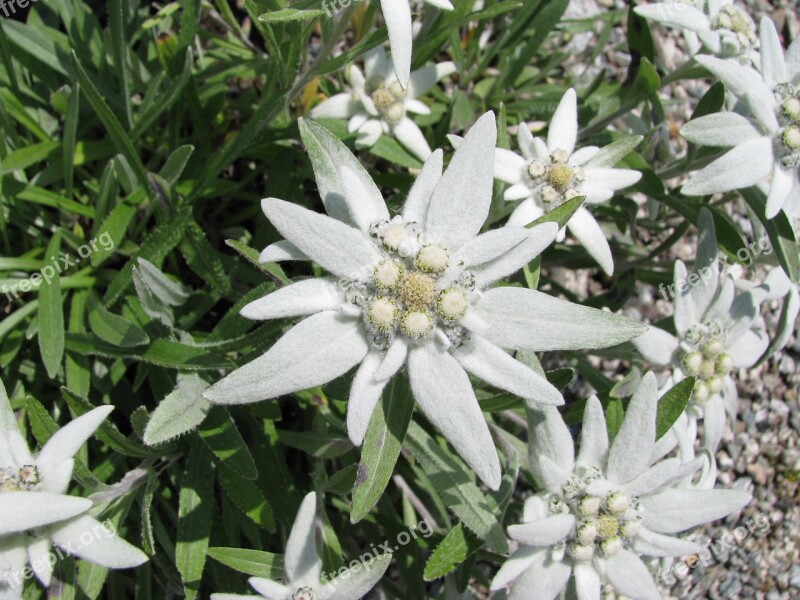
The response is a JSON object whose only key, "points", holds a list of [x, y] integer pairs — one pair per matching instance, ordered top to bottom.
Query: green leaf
{"points": [[290, 15], [712, 101], [120, 138], [390, 149], [610, 155], [27, 157], [176, 163], [561, 214], [780, 232], [202, 258], [273, 270], [165, 289], [51, 312], [114, 329], [672, 404], [180, 412], [614, 416], [220, 434], [382, 444], [455, 483], [248, 498], [195, 516], [457, 546], [250, 562]]}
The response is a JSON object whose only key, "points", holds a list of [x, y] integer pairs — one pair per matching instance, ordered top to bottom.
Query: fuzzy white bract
{"points": [[397, 15], [723, 27], [377, 103], [766, 147], [548, 173], [413, 289], [717, 330], [605, 508], [36, 512], [303, 568]]}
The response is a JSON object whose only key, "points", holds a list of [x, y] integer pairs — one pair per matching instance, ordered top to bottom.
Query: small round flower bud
{"points": [[396, 90], [791, 108], [395, 113], [791, 137], [560, 156], [537, 169], [560, 176], [550, 194], [394, 235], [432, 258], [388, 274], [452, 304], [382, 313], [416, 324], [713, 348], [692, 362], [724, 364], [708, 368], [715, 385], [701, 393], [29, 475], [617, 502], [589, 505], [630, 529], [587, 532], [611, 546], [581, 551], [304, 593]]}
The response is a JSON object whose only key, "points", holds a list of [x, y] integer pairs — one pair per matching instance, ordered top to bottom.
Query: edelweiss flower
{"points": [[397, 14], [723, 28], [378, 103], [768, 146], [548, 174], [413, 288], [717, 331], [35, 511], [602, 511], [303, 568]]}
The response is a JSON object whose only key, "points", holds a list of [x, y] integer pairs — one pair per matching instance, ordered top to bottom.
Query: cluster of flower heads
{"points": [[36, 512]]}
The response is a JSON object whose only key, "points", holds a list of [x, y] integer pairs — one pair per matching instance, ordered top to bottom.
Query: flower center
{"points": [[739, 23], [389, 102], [554, 180], [416, 290], [403, 294], [706, 360], [25, 479], [603, 524], [304, 593]]}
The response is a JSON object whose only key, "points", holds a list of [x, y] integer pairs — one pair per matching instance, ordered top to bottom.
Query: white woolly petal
{"points": [[675, 14], [397, 15], [773, 65], [425, 78], [340, 106], [726, 129], [563, 133], [409, 134], [747, 164], [508, 166], [612, 179], [783, 181], [519, 191], [419, 198], [461, 200], [364, 202], [527, 212], [588, 232], [538, 239], [489, 246], [338, 248], [281, 251], [302, 298], [524, 319], [656, 346], [315, 351], [395, 358], [492, 364], [443, 391], [364, 395], [594, 435], [549, 437], [66, 442], [13, 447], [629, 455], [675, 510], [545, 532], [651, 543], [105, 548], [39, 560], [301, 561], [515, 565], [630, 577], [542, 581], [587, 582], [355, 583], [271, 590]]}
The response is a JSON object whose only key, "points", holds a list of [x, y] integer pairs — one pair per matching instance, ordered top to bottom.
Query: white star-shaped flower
{"points": [[397, 15], [723, 28], [377, 104], [766, 147], [551, 172], [413, 289], [717, 330], [603, 510], [35, 511], [303, 568]]}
